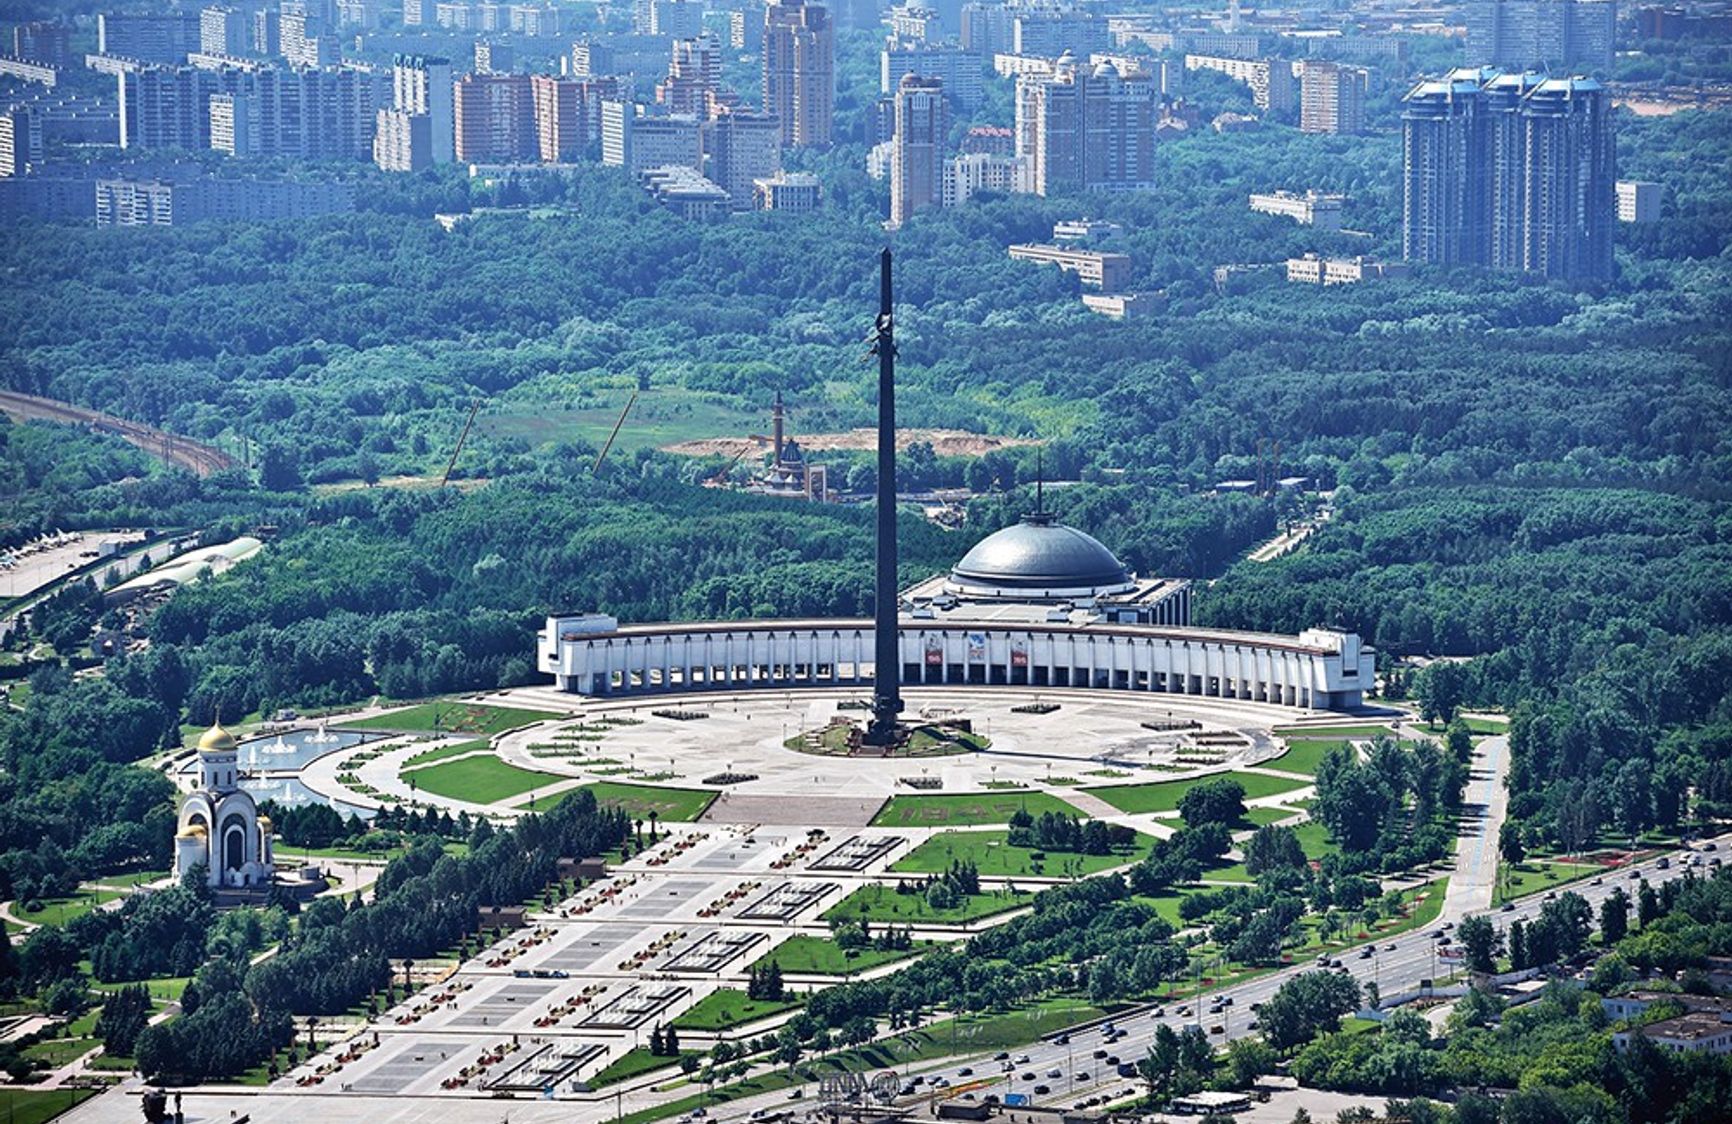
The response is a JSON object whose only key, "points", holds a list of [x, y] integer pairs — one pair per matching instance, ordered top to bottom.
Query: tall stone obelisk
{"points": [[887, 677]]}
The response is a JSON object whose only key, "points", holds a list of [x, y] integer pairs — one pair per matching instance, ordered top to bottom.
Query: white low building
{"points": [[1037, 604]]}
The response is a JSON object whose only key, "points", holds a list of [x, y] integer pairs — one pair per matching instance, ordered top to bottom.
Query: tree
{"points": [[278, 471], [1439, 689], [1213, 802], [1509, 843], [1273, 848], [1614, 917], [1481, 941], [1309, 1004], [1247, 1060]]}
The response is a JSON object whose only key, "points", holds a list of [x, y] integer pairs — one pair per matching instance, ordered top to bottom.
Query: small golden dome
{"points": [[216, 740], [192, 831]]}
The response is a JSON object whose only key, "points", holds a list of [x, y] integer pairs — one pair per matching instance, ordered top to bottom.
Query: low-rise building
{"points": [[971, 173], [788, 191], [686, 192], [122, 202], [1309, 209], [1086, 232], [1313, 269], [1105, 271], [1124, 306], [1696, 1032]]}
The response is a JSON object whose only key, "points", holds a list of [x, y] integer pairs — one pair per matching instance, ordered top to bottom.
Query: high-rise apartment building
{"points": [[417, 13], [678, 19], [915, 23], [746, 27], [988, 29], [223, 31], [268, 32], [1048, 32], [1540, 33], [164, 38], [308, 39], [48, 42], [494, 58], [800, 71], [960, 71], [694, 72], [421, 84], [1273, 86], [1332, 97], [305, 114], [495, 115], [1087, 129], [561, 131], [20, 141], [402, 142], [636, 142], [742, 148], [917, 158], [1510, 171], [1639, 201]]}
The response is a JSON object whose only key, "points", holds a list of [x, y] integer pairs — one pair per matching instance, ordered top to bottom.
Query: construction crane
{"points": [[461, 438], [601, 456], [720, 476]]}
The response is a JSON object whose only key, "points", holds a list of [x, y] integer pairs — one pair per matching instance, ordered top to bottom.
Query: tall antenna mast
{"points": [[887, 673]]}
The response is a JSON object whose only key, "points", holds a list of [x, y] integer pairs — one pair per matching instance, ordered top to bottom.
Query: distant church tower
{"points": [[220, 824]]}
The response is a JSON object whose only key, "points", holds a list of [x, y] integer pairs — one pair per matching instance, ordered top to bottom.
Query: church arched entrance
{"points": [[234, 843]]}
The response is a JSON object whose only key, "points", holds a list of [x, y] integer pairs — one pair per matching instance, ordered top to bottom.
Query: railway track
{"points": [[182, 452]]}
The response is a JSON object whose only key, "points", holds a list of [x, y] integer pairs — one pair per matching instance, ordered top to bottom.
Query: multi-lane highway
{"points": [[1397, 964]]}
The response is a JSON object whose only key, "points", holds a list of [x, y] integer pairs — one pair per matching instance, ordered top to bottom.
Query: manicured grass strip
{"points": [[452, 718], [1479, 727], [1305, 733], [1304, 756], [428, 757], [479, 780], [1164, 796], [671, 805], [967, 808], [1267, 814], [992, 853], [1534, 875], [883, 903], [58, 911], [804, 954], [727, 1008], [940, 1040], [633, 1063], [33, 1106]]}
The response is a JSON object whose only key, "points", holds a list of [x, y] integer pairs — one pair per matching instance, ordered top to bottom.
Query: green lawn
{"points": [[451, 718], [1479, 727], [1344, 731], [1304, 756], [428, 757], [479, 780], [1164, 796], [671, 805], [967, 808], [1313, 840], [994, 856], [1533, 875], [136, 878], [883, 903], [58, 911], [803, 954], [727, 1008], [951, 1037], [56, 1052], [633, 1063], [29, 1106]]}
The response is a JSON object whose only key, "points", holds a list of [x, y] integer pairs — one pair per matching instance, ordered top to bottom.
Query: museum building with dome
{"points": [[1036, 604], [220, 825]]}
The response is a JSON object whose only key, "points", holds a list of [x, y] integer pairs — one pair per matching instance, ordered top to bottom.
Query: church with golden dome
{"points": [[220, 824]]}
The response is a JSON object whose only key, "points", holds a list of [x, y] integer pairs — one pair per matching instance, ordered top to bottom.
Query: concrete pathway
{"points": [[1476, 856]]}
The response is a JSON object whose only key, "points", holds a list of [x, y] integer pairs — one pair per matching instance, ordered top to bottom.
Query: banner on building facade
{"points": [[977, 646], [1019, 654]]}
